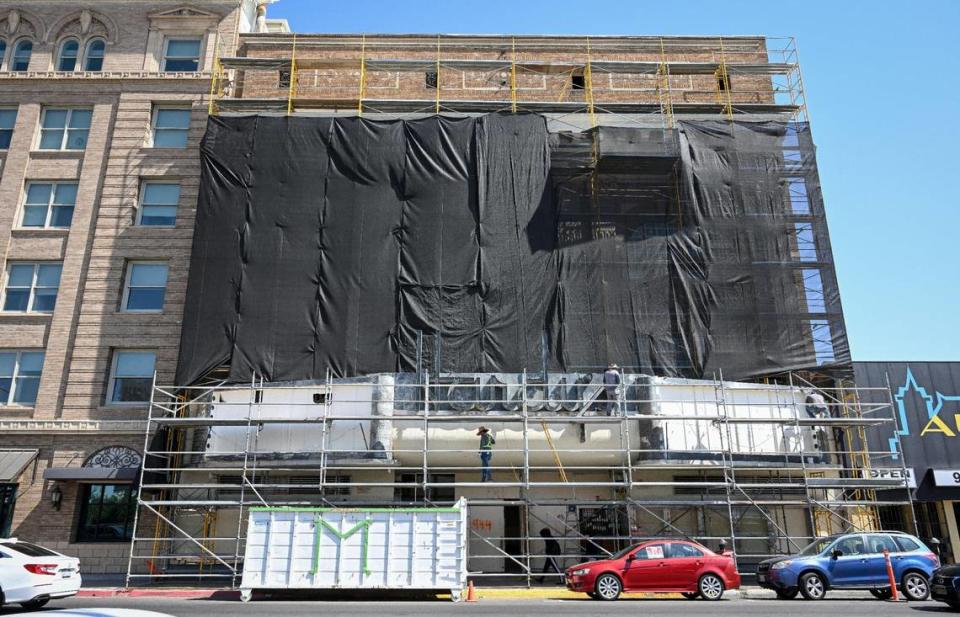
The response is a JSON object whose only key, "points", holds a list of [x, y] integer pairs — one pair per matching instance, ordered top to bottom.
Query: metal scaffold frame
{"points": [[626, 79], [188, 491]]}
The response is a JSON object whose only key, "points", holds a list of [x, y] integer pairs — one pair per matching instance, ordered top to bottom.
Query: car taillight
{"points": [[933, 557], [48, 569]]}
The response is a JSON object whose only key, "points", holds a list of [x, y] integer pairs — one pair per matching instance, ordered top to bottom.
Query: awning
{"points": [[13, 462], [91, 474]]}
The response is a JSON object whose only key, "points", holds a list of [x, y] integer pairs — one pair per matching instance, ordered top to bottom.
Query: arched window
{"points": [[3, 51], [21, 56], [93, 58], [67, 59]]}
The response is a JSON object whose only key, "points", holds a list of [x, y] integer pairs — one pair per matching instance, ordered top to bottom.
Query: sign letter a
{"points": [[936, 425]]}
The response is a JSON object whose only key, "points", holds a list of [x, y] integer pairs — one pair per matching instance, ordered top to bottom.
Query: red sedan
{"points": [[657, 565]]}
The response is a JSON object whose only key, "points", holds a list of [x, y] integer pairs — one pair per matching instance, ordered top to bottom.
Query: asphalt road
{"points": [[497, 608]]}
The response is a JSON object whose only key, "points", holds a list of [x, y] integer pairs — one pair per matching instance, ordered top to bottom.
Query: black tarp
{"points": [[488, 244]]}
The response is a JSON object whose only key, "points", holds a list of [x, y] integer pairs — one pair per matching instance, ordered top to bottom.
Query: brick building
{"points": [[101, 110]]}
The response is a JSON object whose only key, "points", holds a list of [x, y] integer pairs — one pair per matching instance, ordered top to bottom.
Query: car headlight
{"points": [[780, 565], [580, 572]]}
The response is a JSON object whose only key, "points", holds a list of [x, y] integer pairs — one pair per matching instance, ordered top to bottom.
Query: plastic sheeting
{"points": [[487, 244]]}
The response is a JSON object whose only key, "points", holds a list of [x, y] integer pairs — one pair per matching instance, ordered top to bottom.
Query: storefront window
{"points": [[106, 513]]}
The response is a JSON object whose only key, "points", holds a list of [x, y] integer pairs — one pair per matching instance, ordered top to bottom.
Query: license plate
{"points": [[762, 578], [941, 589]]}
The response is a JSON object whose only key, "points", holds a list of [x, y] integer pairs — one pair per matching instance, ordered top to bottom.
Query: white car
{"points": [[31, 575]]}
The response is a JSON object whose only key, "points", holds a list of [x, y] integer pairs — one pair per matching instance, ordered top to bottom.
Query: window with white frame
{"points": [[181, 54], [68, 55], [93, 55], [20, 60], [8, 118], [171, 127], [64, 129], [49, 204], [158, 204], [145, 286], [31, 287], [20, 376], [131, 376]]}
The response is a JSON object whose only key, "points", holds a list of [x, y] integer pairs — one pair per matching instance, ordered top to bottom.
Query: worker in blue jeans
{"points": [[486, 453]]}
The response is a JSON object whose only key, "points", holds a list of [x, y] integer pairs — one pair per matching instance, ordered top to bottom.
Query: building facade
{"points": [[102, 106], [102, 113]]}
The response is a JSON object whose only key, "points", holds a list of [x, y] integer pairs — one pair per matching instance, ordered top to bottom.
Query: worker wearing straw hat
{"points": [[612, 385], [486, 453]]}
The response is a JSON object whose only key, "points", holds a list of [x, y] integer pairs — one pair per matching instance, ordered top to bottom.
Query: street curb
{"points": [[146, 592], [488, 593]]}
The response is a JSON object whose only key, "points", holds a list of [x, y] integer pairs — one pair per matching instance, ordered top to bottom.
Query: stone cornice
{"points": [[106, 75], [100, 427]]}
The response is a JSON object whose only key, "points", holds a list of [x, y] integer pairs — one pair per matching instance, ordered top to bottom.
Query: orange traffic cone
{"points": [[471, 592]]}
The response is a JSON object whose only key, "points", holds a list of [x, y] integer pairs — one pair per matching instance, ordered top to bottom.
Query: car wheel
{"points": [[812, 586], [915, 586], [608, 587], [711, 587], [783, 594], [882, 594], [690, 595], [33, 605]]}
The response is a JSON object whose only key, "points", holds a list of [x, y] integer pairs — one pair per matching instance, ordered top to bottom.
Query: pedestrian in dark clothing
{"points": [[611, 386], [486, 453], [551, 549]]}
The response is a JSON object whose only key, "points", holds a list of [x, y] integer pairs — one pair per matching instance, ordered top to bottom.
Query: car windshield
{"points": [[817, 546], [30, 550], [624, 552]]}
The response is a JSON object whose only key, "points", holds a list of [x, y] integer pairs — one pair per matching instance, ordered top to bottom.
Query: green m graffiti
{"points": [[321, 524]]}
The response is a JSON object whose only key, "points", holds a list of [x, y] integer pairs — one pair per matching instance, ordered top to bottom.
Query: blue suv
{"points": [[852, 561]]}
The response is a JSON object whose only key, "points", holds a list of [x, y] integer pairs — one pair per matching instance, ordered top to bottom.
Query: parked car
{"points": [[852, 561], [657, 565], [31, 575], [945, 586]]}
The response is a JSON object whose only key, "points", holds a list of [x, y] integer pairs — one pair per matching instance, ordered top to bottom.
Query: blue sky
{"points": [[883, 89]]}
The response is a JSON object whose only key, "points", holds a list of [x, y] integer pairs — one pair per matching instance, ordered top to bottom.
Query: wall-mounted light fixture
{"points": [[56, 496]]}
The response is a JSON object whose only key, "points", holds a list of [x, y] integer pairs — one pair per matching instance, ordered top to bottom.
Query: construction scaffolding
{"points": [[626, 79], [754, 465]]}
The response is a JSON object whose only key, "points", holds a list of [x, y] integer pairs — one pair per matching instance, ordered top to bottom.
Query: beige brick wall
{"points": [[552, 85], [86, 324]]}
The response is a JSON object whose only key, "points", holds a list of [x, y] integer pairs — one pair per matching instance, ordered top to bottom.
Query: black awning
{"points": [[91, 474]]}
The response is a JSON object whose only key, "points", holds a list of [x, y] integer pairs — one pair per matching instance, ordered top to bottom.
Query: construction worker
{"points": [[611, 386], [816, 405], [486, 453], [551, 549]]}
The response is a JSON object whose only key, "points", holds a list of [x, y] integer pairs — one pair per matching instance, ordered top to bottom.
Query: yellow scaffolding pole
{"points": [[363, 74], [513, 74], [723, 77], [588, 81], [215, 86], [291, 87], [663, 88], [437, 108], [553, 449]]}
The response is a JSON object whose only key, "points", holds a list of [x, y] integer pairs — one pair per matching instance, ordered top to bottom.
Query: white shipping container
{"points": [[356, 548]]}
